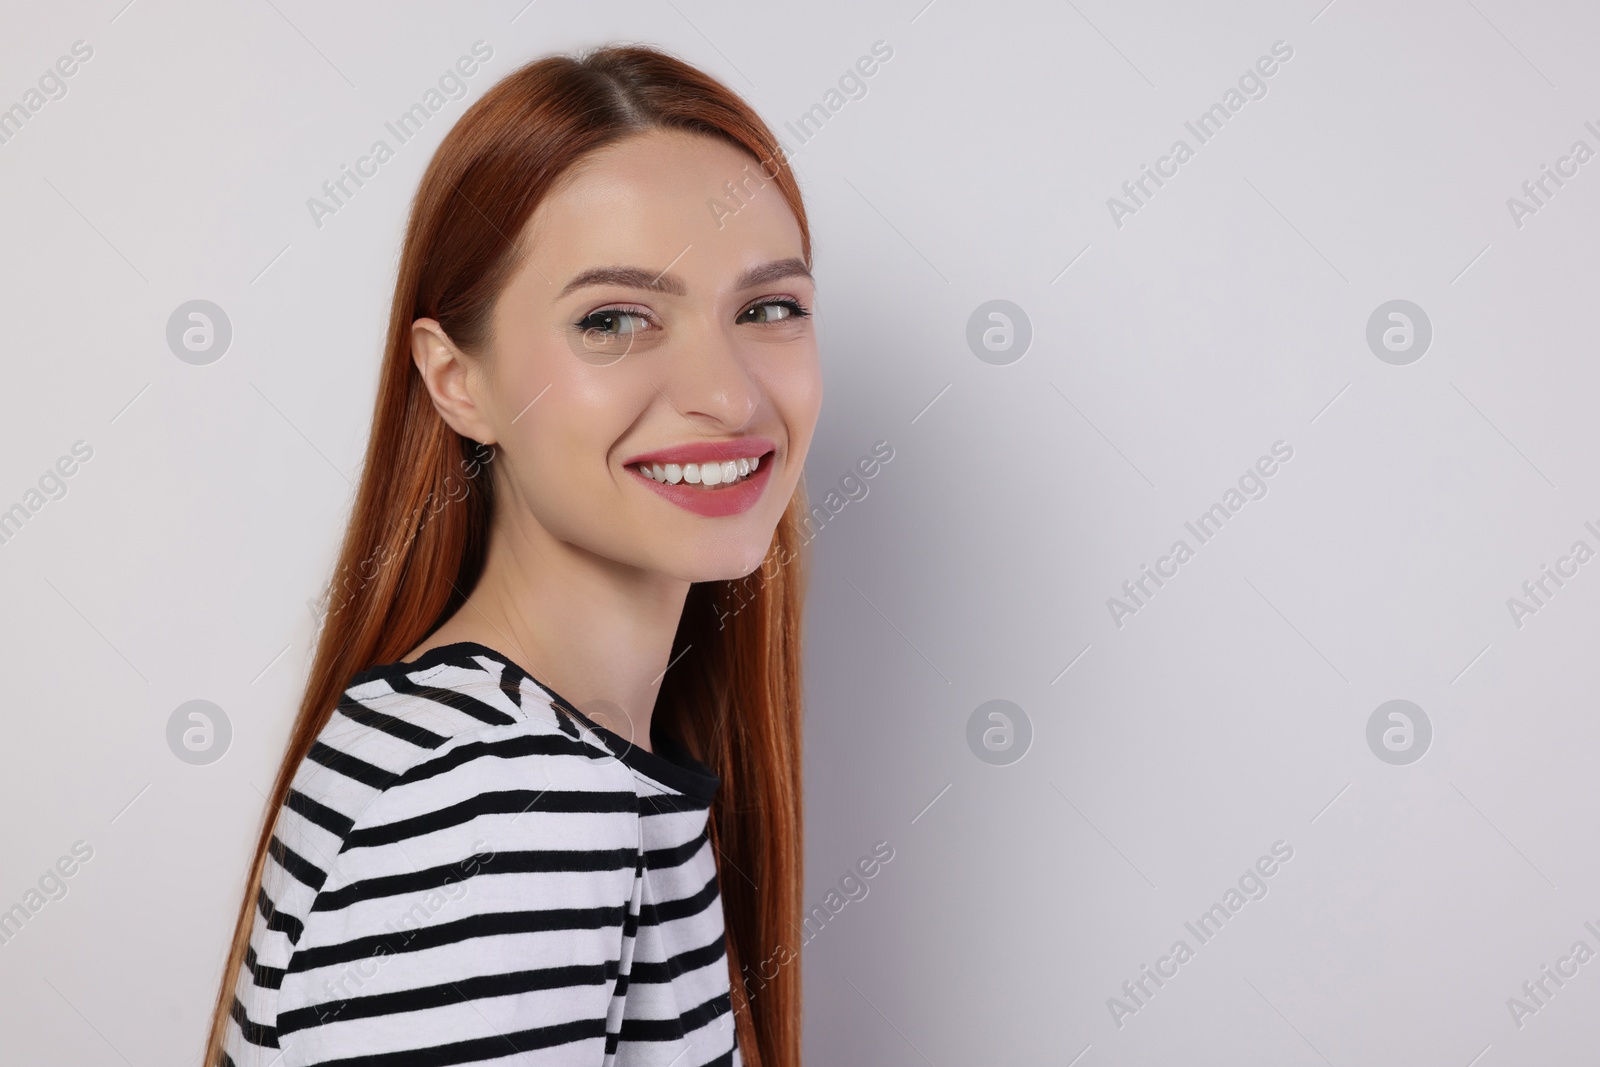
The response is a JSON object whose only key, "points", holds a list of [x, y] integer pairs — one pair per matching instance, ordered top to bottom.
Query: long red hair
{"points": [[418, 531]]}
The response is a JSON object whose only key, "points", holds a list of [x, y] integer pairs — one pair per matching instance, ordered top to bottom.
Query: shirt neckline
{"points": [[670, 764]]}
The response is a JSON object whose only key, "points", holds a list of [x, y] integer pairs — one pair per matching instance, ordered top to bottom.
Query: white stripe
{"points": [[486, 896]]}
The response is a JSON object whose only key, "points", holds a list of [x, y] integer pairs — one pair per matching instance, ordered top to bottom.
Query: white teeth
{"points": [[708, 474]]}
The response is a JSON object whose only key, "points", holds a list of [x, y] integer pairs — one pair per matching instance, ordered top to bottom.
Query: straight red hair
{"points": [[418, 530]]}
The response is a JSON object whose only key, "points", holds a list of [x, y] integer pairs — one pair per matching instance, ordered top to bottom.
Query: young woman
{"points": [[541, 804]]}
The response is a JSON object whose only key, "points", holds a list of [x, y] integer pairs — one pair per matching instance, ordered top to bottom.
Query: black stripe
{"points": [[451, 653], [511, 677], [452, 698], [564, 718], [389, 724], [510, 748], [672, 765], [350, 766], [499, 802], [670, 804], [318, 814], [663, 859], [535, 862], [302, 869], [668, 910], [280, 921], [449, 933], [630, 933], [689, 960], [264, 976], [448, 993], [674, 1029], [255, 1033], [481, 1048]]}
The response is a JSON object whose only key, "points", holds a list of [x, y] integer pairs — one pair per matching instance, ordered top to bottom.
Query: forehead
{"points": [[663, 197]]}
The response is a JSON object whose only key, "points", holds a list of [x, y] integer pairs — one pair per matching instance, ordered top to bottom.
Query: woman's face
{"points": [[656, 323]]}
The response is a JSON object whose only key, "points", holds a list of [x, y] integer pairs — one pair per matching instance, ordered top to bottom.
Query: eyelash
{"points": [[796, 310]]}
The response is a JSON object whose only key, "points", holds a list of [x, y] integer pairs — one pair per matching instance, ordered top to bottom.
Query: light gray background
{"points": [[1168, 354]]}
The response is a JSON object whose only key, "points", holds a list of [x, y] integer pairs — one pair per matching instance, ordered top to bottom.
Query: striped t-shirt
{"points": [[468, 870]]}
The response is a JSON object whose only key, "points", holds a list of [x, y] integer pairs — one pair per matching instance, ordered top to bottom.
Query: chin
{"points": [[714, 562], [722, 570]]}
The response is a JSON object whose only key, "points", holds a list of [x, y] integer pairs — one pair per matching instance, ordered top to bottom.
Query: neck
{"points": [[597, 632]]}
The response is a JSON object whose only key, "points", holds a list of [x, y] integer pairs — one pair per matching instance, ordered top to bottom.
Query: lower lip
{"points": [[734, 499]]}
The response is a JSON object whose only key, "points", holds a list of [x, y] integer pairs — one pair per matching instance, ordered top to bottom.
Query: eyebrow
{"points": [[661, 282]]}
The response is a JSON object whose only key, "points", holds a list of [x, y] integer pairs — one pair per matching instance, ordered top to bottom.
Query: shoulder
{"points": [[451, 723], [424, 766], [449, 821]]}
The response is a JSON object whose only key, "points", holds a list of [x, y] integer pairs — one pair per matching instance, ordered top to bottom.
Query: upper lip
{"points": [[706, 451]]}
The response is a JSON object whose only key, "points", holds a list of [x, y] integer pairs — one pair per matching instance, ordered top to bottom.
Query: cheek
{"points": [[795, 386], [558, 420]]}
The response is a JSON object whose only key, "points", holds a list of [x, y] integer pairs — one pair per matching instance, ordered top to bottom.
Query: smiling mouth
{"points": [[708, 477]]}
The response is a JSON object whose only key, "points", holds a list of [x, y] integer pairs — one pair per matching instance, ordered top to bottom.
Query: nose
{"points": [[708, 380]]}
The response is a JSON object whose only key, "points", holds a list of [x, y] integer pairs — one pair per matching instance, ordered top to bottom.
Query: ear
{"points": [[452, 381]]}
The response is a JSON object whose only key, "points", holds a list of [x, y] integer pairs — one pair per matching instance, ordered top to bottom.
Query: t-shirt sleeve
{"points": [[475, 910]]}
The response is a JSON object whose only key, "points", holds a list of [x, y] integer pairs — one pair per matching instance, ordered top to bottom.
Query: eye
{"points": [[769, 311], [613, 321]]}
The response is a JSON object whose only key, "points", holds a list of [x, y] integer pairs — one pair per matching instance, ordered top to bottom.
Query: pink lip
{"points": [[703, 451], [733, 499]]}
